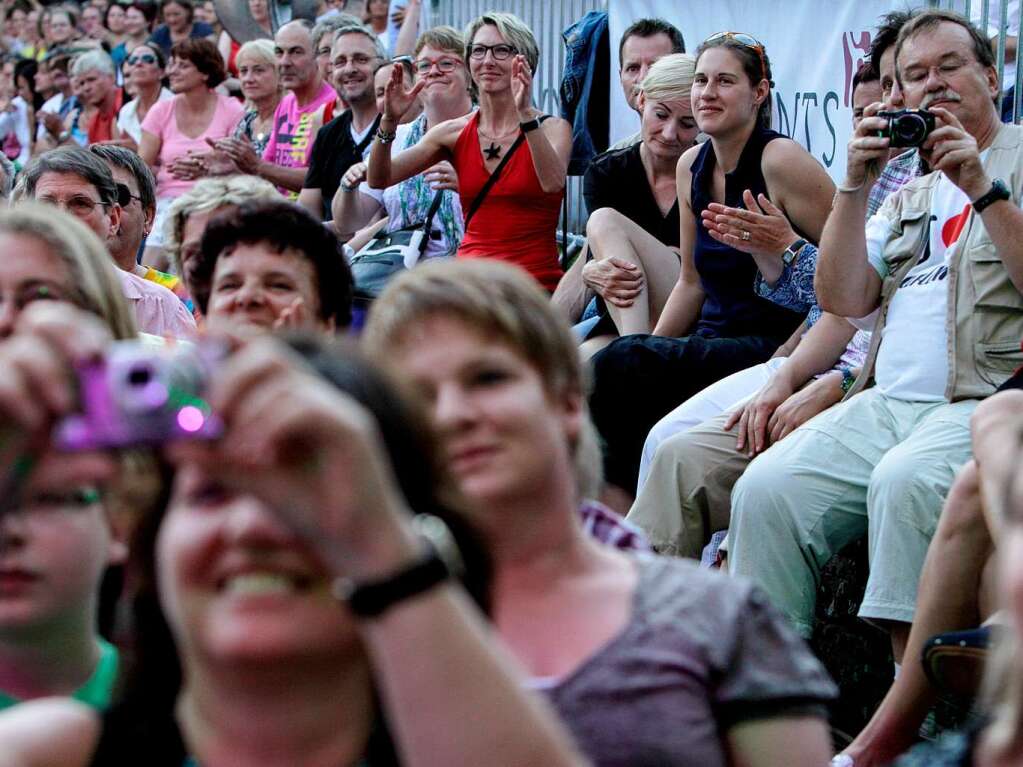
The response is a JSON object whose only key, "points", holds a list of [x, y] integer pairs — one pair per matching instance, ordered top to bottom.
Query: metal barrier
{"points": [[995, 13], [547, 19]]}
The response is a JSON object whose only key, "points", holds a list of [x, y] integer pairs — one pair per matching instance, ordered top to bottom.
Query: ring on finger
{"points": [[745, 236]]}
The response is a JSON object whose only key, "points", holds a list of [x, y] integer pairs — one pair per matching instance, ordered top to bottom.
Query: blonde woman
{"points": [[261, 86], [631, 197], [517, 220], [668, 664]]}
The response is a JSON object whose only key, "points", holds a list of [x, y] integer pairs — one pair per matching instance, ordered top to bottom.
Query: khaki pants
{"points": [[873, 465], [686, 497]]}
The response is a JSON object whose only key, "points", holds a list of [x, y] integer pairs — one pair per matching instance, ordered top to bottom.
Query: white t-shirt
{"points": [[51, 105], [128, 118], [912, 360]]}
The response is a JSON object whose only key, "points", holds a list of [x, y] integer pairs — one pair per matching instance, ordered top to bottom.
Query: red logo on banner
{"points": [[852, 44]]}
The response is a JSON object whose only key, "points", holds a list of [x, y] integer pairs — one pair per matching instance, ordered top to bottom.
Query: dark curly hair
{"points": [[204, 56], [282, 226]]}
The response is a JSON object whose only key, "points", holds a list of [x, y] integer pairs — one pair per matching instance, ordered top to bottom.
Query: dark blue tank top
{"points": [[731, 308]]}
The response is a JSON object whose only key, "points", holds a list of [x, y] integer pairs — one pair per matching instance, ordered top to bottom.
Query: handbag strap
{"points": [[494, 176], [438, 197]]}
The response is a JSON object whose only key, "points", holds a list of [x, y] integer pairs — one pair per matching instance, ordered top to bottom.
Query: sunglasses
{"points": [[747, 41], [143, 58]]}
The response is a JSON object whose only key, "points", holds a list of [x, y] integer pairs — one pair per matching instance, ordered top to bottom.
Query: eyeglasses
{"points": [[747, 41], [501, 51], [142, 58], [445, 65], [78, 205]]}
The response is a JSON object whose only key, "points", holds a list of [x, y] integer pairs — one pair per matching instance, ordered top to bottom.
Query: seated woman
{"points": [[438, 62], [144, 73], [176, 131], [515, 219], [633, 227], [714, 323], [55, 543], [288, 611], [668, 664]]}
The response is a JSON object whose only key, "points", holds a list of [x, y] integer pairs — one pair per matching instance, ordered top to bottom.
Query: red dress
{"points": [[517, 220]]}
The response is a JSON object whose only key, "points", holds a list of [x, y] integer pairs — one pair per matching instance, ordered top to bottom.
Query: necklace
{"points": [[494, 150]]}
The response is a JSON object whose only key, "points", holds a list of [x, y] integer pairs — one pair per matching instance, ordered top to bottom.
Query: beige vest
{"points": [[985, 310]]}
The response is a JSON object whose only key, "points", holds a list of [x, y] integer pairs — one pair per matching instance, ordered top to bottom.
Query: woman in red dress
{"points": [[517, 218]]}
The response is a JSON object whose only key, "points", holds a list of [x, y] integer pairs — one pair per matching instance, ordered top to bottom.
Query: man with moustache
{"points": [[355, 56], [940, 266]]}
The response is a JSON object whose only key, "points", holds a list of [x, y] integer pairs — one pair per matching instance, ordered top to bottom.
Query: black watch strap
{"points": [[529, 125], [998, 191], [792, 251], [440, 561]]}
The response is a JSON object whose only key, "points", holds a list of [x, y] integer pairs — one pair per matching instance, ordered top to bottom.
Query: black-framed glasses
{"points": [[747, 41], [501, 51], [144, 58], [444, 64]]}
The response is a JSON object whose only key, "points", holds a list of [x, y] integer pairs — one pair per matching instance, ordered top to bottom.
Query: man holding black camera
{"points": [[940, 267]]}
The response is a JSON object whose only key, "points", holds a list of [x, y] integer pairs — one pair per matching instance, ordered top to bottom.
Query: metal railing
{"points": [[994, 13]]}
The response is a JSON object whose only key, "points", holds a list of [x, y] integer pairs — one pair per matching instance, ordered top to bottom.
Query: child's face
{"points": [[54, 548]]}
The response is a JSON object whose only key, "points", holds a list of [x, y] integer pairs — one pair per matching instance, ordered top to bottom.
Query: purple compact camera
{"points": [[141, 394]]}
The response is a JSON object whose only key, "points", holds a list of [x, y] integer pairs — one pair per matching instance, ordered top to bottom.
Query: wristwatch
{"points": [[529, 125], [384, 137], [998, 191], [792, 252], [848, 379], [441, 560]]}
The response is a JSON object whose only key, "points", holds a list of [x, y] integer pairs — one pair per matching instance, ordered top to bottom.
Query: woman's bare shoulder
{"points": [[48, 732]]}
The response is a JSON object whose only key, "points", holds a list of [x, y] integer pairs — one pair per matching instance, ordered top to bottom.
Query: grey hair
{"points": [[332, 24], [361, 29], [93, 61], [128, 160], [75, 161]]}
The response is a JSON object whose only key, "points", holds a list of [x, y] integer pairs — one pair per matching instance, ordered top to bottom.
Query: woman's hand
{"points": [[522, 87], [398, 98], [240, 153], [188, 167], [354, 176], [442, 176], [761, 230], [614, 279], [37, 388], [804, 404], [754, 416], [309, 451]]}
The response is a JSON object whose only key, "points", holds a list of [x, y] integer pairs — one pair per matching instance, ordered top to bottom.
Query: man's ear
{"points": [[640, 100], [114, 217], [147, 226]]}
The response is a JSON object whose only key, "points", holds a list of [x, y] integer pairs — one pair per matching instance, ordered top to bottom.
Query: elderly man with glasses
{"points": [[81, 183]]}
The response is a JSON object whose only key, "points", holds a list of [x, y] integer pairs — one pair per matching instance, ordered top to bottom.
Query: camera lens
{"points": [[910, 130], [140, 376]]}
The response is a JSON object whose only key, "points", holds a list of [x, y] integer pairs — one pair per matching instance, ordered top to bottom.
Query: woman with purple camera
{"points": [[288, 609]]}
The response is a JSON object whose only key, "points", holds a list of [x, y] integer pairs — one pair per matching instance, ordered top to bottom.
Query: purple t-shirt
{"points": [[295, 127], [701, 653]]}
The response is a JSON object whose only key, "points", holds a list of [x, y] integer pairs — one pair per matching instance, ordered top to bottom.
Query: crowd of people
{"points": [[315, 450]]}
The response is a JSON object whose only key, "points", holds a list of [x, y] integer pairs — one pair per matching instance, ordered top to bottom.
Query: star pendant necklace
{"points": [[494, 150]]}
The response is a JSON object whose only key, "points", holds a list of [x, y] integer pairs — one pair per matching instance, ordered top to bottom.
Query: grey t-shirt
{"points": [[701, 653]]}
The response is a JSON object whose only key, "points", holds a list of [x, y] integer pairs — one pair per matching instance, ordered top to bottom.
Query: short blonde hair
{"points": [[512, 29], [443, 38], [259, 50], [670, 78], [210, 194], [96, 283], [500, 300]]}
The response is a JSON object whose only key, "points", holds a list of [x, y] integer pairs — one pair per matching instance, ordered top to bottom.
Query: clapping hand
{"points": [[522, 87], [398, 98], [239, 152]]}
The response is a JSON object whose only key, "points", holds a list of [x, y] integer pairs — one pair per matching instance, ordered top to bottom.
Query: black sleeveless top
{"points": [[731, 308]]}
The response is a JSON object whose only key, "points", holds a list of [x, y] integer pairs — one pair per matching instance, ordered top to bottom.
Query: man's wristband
{"points": [[848, 379]]}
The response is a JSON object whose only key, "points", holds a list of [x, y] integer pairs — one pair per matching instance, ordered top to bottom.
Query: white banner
{"points": [[814, 46]]}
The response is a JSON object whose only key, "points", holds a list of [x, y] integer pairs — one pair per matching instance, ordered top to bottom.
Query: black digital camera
{"points": [[907, 127]]}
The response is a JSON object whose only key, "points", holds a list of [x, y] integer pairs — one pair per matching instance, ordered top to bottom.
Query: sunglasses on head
{"points": [[747, 41], [144, 58]]}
